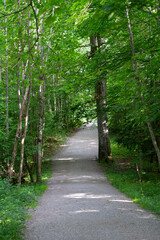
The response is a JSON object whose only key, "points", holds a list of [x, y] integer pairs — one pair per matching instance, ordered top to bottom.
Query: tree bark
{"points": [[158, 10], [41, 107], [7, 114], [17, 132], [40, 133], [23, 138], [104, 149], [29, 169], [138, 173]]}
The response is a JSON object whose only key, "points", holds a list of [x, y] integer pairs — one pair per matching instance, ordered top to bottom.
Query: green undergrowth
{"points": [[53, 142], [146, 193], [16, 200]]}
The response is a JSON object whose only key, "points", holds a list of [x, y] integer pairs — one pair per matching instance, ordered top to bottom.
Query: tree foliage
{"points": [[45, 45]]}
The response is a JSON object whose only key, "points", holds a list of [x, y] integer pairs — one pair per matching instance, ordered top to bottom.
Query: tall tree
{"points": [[100, 94]]}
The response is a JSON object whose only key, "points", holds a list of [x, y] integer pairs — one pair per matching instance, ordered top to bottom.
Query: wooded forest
{"points": [[63, 63]]}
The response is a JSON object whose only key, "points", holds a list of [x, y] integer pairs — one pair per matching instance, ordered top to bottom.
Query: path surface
{"points": [[80, 204]]}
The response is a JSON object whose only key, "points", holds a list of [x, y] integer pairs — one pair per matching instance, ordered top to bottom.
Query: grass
{"points": [[146, 193], [16, 200]]}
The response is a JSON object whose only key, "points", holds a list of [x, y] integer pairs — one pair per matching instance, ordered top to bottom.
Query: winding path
{"points": [[80, 204]]}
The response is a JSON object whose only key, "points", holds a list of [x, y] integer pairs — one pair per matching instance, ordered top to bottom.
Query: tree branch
{"points": [[9, 14], [35, 15]]}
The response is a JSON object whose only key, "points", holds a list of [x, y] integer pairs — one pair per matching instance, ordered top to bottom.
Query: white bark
{"points": [[18, 132], [40, 133], [23, 138]]}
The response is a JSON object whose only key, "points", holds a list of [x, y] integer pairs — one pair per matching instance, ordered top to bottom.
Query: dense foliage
{"points": [[48, 75]]}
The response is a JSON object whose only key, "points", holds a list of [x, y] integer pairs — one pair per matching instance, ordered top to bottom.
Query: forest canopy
{"points": [[66, 62]]}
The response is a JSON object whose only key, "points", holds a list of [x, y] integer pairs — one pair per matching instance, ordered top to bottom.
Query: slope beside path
{"points": [[80, 204]]}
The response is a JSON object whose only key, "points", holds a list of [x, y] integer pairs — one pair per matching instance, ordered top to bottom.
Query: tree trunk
{"points": [[158, 10], [135, 65], [0, 73], [19, 94], [101, 101], [41, 108], [44, 109], [7, 114], [7, 121], [17, 132], [40, 133], [103, 133], [23, 138], [29, 169]]}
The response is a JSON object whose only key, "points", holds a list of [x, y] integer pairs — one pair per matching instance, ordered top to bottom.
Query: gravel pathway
{"points": [[80, 204]]}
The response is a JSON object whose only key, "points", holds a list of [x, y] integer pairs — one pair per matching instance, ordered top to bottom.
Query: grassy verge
{"points": [[123, 176], [15, 200]]}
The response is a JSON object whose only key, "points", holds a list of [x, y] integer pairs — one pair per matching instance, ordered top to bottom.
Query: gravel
{"points": [[80, 204]]}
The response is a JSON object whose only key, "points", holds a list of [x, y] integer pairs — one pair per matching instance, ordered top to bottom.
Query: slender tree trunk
{"points": [[158, 9], [135, 65], [0, 73], [7, 87], [100, 92], [19, 94], [7, 105], [41, 108], [44, 109], [7, 119], [18, 132], [40, 133], [23, 134], [23, 138], [29, 169]]}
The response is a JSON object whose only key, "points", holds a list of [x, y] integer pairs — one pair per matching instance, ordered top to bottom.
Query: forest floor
{"points": [[80, 204]]}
